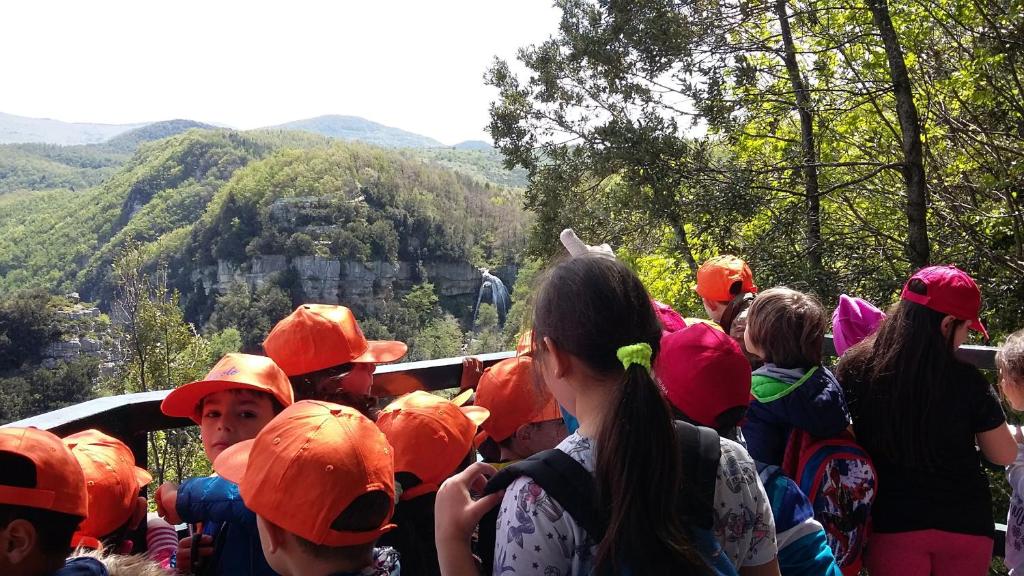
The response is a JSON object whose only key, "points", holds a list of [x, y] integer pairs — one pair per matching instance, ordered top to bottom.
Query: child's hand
{"points": [[576, 247], [472, 370], [166, 502], [456, 511], [456, 515], [184, 556]]}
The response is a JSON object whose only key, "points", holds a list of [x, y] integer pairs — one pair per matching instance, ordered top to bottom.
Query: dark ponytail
{"points": [[590, 307]]}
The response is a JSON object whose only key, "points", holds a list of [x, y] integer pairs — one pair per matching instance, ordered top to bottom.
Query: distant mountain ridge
{"points": [[21, 129], [24, 130], [362, 130]]}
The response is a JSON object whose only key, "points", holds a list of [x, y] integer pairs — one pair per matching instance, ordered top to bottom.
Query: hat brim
{"points": [[977, 326], [381, 351], [463, 397], [183, 401], [476, 414], [232, 462], [142, 476]]}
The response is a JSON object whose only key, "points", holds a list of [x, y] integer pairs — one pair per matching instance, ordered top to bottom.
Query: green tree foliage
{"points": [[678, 131], [252, 313], [28, 323], [486, 335], [440, 338], [223, 342], [162, 352], [32, 392]]}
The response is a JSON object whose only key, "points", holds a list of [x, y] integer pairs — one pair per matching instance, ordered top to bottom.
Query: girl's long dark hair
{"points": [[590, 307], [899, 375]]}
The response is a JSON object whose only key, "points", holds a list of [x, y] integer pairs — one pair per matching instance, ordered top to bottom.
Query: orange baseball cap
{"points": [[716, 277], [319, 336], [233, 372], [508, 391], [431, 436], [308, 465], [112, 480], [60, 483]]}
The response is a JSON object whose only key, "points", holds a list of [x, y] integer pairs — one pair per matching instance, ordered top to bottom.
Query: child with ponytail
{"points": [[595, 337], [920, 412]]}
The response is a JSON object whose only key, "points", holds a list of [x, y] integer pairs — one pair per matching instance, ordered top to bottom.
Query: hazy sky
{"points": [[416, 65]]}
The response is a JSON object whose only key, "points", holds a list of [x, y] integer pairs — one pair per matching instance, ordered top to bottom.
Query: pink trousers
{"points": [[928, 553]]}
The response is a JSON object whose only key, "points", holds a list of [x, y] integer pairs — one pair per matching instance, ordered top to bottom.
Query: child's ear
{"points": [[946, 326], [559, 358], [524, 433], [272, 535], [18, 540]]}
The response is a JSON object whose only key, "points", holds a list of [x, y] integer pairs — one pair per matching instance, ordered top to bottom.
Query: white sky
{"points": [[415, 65]]}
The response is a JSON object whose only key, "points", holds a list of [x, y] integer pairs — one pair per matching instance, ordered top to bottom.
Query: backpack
{"points": [[841, 483], [573, 486]]}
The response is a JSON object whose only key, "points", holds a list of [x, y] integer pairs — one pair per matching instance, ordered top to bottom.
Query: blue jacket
{"points": [[792, 398], [217, 504], [803, 548], [82, 567]]}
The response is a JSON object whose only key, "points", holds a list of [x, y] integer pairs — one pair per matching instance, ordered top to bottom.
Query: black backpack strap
{"points": [[702, 451], [565, 480]]}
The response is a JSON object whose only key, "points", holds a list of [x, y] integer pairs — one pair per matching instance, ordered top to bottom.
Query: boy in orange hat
{"points": [[325, 355], [236, 399], [524, 419], [433, 439], [321, 480], [43, 499], [115, 506]]}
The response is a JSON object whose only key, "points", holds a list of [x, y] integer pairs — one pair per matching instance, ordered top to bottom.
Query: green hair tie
{"points": [[635, 354]]}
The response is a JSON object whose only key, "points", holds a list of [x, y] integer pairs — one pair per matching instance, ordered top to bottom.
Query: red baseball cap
{"points": [[716, 276], [950, 291], [319, 336], [703, 371], [233, 372], [507, 391], [431, 436], [308, 465], [112, 480], [60, 483]]}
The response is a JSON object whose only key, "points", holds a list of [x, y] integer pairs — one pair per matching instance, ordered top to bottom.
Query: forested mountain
{"points": [[15, 129], [362, 130], [36, 166], [210, 198]]}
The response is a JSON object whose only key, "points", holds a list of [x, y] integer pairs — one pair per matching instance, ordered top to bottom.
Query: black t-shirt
{"points": [[953, 493]]}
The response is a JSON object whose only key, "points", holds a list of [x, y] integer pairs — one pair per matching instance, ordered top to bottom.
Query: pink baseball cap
{"points": [[950, 291], [853, 320], [704, 372]]}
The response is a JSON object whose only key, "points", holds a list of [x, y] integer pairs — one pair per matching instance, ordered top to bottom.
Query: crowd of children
{"points": [[621, 439]]}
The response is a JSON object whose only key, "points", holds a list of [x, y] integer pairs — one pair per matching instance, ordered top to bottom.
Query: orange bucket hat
{"points": [[716, 277], [319, 336], [233, 372], [507, 390], [431, 436], [308, 465], [112, 480], [60, 483]]}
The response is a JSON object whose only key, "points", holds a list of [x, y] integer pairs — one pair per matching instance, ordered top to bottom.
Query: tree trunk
{"points": [[910, 126], [809, 152], [683, 244]]}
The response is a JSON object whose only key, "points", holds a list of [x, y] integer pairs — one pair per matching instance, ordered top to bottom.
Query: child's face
{"points": [[714, 310], [1013, 391], [231, 416]]}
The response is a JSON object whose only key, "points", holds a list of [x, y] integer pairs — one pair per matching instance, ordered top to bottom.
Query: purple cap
{"points": [[853, 320]]}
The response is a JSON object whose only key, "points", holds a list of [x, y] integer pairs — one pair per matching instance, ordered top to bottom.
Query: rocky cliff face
{"points": [[351, 283], [87, 332]]}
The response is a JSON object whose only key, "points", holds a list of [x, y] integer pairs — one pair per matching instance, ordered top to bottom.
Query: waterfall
{"points": [[497, 295]]}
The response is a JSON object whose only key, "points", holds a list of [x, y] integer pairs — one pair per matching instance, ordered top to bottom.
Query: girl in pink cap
{"points": [[921, 412]]}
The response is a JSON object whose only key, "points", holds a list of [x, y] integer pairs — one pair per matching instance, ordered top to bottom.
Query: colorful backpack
{"points": [[841, 483]]}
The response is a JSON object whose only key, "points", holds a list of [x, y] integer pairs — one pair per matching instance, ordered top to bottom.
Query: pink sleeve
{"points": [[161, 540]]}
